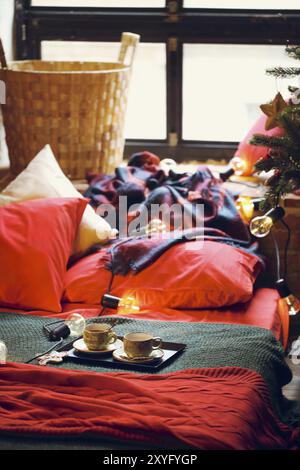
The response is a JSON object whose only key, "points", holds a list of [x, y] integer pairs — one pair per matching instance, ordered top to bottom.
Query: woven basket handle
{"points": [[129, 44], [2, 56]]}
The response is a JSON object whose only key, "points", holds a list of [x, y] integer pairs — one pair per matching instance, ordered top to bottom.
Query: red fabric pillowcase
{"points": [[36, 239], [188, 275]]}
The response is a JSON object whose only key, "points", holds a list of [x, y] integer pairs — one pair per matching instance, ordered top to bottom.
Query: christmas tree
{"points": [[284, 151]]}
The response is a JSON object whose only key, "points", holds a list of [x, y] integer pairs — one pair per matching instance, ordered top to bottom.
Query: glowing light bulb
{"points": [[168, 164], [238, 165], [245, 206], [156, 226], [260, 226], [292, 302], [128, 304], [76, 324], [3, 352]]}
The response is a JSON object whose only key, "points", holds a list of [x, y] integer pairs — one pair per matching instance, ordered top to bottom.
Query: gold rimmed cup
{"points": [[98, 336], [140, 344]]}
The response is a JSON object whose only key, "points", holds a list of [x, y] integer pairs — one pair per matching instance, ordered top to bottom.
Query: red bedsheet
{"points": [[260, 311], [223, 408]]}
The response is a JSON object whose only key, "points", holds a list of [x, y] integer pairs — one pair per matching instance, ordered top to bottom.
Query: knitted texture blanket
{"points": [[208, 345], [227, 373]]}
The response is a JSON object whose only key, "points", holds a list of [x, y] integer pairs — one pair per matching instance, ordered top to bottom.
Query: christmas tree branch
{"points": [[293, 52], [283, 72], [292, 129], [270, 141], [283, 155], [281, 163], [274, 193], [270, 200]]}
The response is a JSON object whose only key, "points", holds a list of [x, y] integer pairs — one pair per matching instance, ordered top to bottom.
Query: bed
{"points": [[223, 392], [37, 404]]}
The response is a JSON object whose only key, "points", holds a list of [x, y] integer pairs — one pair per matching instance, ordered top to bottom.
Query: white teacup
{"points": [[98, 336], [140, 344]]}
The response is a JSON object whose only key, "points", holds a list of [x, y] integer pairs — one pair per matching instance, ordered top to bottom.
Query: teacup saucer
{"points": [[80, 346], [120, 355]]}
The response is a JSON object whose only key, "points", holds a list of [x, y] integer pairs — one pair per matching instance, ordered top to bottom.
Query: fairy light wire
{"points": [[286, 247], [277, 254], [109, 287], [58, 321], [45, 352]]}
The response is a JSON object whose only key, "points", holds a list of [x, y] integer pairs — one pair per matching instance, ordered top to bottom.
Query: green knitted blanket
{"points": [[208, 345]]}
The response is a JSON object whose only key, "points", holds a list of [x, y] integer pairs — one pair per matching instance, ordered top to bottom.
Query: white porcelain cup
{"points": [[140, 344]]}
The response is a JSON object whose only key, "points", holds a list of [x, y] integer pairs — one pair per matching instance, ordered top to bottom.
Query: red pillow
{"points": [[252, 153], [36, 239], [211, 275]]}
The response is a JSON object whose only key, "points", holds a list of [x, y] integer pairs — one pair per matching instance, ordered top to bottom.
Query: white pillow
{"points": [[44, 178]]}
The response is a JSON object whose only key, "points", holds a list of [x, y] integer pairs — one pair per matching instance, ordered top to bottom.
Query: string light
{"points": [[237, 167], [245, 206], [156, 226], [260, 226], [291, 301], [128, 304], [123, 305], [74, 325]]}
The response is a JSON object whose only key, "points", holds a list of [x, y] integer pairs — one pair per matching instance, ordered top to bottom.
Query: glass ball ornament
{"points": [[76, 324]]}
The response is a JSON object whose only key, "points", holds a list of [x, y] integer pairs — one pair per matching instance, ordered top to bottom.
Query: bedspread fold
{"points": [[222, 392], [215, 408]]}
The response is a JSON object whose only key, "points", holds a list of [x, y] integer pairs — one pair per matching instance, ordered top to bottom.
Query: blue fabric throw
{"points": [[145, 184]]}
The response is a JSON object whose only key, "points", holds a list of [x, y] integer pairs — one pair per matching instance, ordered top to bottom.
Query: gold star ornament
{"points": [[272, 110]]}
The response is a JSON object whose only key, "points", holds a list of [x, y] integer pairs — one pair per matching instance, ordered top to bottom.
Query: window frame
{"points": [[173, 25]]}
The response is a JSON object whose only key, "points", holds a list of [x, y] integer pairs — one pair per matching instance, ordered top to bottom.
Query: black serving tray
{"points": [[171, 351]]}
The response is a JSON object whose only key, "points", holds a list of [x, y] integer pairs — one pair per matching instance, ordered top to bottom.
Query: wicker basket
{"points": [[76, 107]]}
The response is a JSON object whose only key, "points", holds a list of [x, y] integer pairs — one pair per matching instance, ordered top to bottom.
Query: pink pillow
{"points": [[252, 153], [36, 239], [212, 275]]}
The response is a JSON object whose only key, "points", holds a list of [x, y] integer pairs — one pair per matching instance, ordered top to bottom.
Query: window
{"points": [[100, 3], [243, 4], [199, 74], [233, 85], [146, 115]]}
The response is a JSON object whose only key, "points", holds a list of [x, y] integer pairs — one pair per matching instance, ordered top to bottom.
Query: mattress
{"points": [[260, 311], [220, 361], [223, 392]]}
